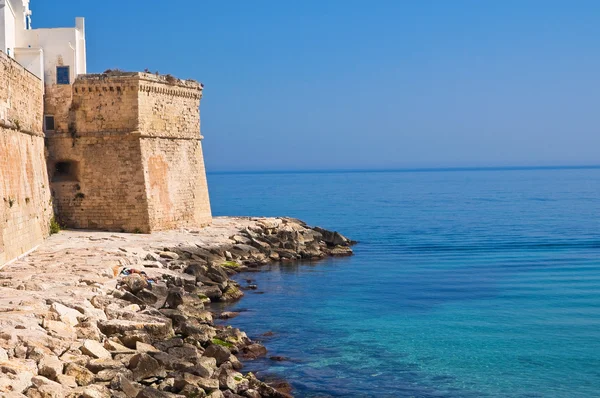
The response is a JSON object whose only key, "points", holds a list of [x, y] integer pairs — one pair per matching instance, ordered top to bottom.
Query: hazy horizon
{"points": [[361, 85]]}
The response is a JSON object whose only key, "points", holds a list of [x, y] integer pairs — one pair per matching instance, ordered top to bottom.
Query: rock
{"points": [[332, 238], [240, 239], [340, 251], [169, 255], [152, 257], [196, 269], [217, 274], [135, 282], [160, 291], [212, 292], [232, 293], [128, 296], [148, 297], [174, 297], [67, 315], [228, 315], [156, 327], [59, 329], [88, 329], [201, 333], [233, 336], [130, 339], [115, 347], [143, 347], [95, 349], [186, 351], [254, 351], [220, 353], [3, 355], [75, 357], [278, 358], [170, 362], [235, 363], [97, 365], [50, 366], [144, 366], [203, 367], [109, 374], [82, 376], [232, 380], [67, 381], [202, 382], [46, 388], [130, 388], [191, 390], [96, 391], [150, 392], [252, 393], [216, 394]]}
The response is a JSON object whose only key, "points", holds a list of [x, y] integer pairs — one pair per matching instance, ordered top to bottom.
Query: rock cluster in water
{"points": [[151, 335]]}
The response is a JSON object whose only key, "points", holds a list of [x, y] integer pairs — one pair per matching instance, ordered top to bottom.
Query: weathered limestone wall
{"points": [[21, 97], [57, 102], [103, 103], [169, 107], [169, 114], [133, 148], [176, 184], [105, 187], [25, 205]]}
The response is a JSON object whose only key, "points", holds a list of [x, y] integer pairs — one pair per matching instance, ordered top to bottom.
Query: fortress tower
{"points": [[127, 154]]}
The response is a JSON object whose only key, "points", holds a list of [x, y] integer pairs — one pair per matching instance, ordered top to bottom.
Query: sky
{"points": [[366, 84]]}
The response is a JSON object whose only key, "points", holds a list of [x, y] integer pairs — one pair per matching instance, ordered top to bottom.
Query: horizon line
{"points": [[409, 169]]}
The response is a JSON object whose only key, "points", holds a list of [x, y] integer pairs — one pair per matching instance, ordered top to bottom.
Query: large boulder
{"points": [[135, 282], [67, 315], [158, 328], [95, 349], [254, 351], [218, 352], [144, 366], [82, 376], [188, 379]]}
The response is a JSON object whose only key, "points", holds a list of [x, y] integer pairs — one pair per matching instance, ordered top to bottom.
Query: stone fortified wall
{"points": [[127, 156], [25, 205]]}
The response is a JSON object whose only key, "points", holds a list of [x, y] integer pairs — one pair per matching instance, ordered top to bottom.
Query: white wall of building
{"points": [[7, 28], [59, 46], [41, 49], [32, 59]]}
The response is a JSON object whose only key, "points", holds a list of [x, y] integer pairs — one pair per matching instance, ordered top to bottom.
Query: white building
{"points": [[54, 55]]}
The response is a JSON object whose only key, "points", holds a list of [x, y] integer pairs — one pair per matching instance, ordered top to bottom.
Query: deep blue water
{"points": [[464, 284]]}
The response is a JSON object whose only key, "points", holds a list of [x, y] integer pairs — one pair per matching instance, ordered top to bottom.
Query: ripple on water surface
{"points": [[465, 284]]}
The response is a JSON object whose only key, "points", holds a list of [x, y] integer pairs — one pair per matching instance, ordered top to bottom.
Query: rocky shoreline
{"points": [[97, 315]]}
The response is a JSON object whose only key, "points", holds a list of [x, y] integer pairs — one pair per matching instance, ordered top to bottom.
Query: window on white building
{"points": [[63, 75]]}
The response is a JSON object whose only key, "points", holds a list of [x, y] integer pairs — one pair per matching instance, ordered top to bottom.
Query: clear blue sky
{"points": [[334, 84]]}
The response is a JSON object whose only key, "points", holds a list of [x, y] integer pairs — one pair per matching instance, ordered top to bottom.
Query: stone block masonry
{"points": [[127, 156], [25, 204]]}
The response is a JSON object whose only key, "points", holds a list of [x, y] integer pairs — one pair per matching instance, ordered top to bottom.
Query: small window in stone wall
{"points": [[63, 75], [49, 123], [66, 171]]}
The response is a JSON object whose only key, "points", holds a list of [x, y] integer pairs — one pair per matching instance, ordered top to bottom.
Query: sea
{"points": [[464, 283]]}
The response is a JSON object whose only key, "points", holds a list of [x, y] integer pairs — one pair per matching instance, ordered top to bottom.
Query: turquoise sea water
{"points": [[464, 284]]}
